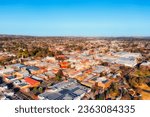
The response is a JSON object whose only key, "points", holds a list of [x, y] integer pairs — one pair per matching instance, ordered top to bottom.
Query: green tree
{"points": [[59, 75]]}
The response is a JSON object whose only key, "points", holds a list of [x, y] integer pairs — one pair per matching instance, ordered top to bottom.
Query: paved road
{"points": [[148, 91], [23, 96]]}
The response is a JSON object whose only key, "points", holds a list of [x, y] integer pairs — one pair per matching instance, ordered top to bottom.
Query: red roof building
{"points": [[64, 65], [32, 82]]}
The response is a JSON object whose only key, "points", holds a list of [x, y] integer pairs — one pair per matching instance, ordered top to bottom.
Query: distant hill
{"points": [[5, 36]]}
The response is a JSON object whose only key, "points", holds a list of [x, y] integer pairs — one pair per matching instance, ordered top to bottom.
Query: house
{"points": [[61, 57], [50, 59], [72, 59], [32, 62], [42, 64], [64, 65], [17, 66], [52, 66], [80, 66], [33, 69], [99, 69], [8, 70], [55, 71], [22, 74], [50, 74], [74, 74], [80, 77], [89, 77], [11, 78], [38, 78], [32, 82], [101, 82], [21, 83], [87, 84], [8, 93]]}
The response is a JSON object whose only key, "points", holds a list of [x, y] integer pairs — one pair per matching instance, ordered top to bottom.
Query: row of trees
{"points": [[36, 52], [6, 60]]}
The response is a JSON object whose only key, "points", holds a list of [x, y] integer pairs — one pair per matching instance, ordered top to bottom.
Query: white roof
{"points": [[146, 64], [6, 70], [100, 79]]}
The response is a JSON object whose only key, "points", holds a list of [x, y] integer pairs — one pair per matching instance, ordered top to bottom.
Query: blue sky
{"points": [[75, 17]]}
